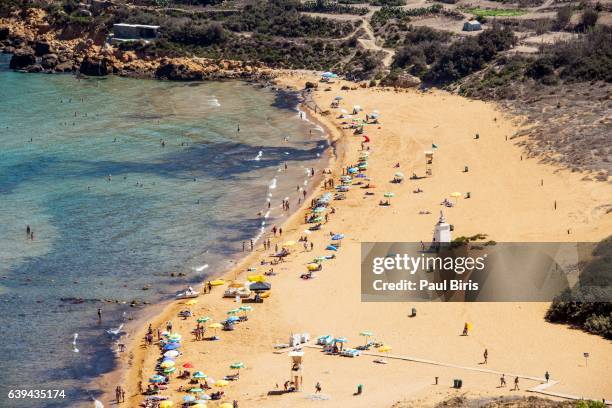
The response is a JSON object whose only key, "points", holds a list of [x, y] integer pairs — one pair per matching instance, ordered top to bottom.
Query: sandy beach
{"points": [[512, 199]]}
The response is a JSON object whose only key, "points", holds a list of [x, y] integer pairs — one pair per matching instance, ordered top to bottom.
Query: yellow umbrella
{"points": [[455, 195], [289, 243], [312, 266], [256, 278], [236, 284], [191, 302], [215, 326], [384, 349], [167, 364], [221, 383], [166, 404], [198, 405], [226, 405]]}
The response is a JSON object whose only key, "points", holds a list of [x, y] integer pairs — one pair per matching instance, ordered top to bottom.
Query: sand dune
{"points": [[507, 202]]}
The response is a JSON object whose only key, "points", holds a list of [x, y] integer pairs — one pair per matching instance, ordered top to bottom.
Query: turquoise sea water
{"points": [[113, 211]]}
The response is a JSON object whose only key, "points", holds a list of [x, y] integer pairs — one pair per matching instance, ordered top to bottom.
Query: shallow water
{"points": [[114, 211]]}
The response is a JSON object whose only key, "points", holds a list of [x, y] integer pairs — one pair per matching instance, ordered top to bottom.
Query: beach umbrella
{"points": [[329, 75], [338, 98], [357, 108], [343, 111], [353, 170], [361, 175], [399, 175], [389, 195], [455, 195], [319, 210], [337, 237], [289, 243], [331, 248], [312, 266], [235, 284], [260, 286], [191, 302], [246, 308], [233, 311], [203, 319], [232, 319], [215, 327], [367, 334], [174, 337], [340, 340], [171, 346], [384, 349], [171, 353], [167, 364], [188, 365], [237, 366], [169, 370], [199, 374], [157, 378], [221, 383], [195, 390], [189, 398], [202, 398], [166, 404], [199, 405], [226, 405]]}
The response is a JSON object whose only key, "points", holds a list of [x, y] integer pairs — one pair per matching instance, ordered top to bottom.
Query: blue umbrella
{"points": [[353, 170], [361, 175], [337, 237], [331, 248], [232, 319], [340, 340], [172, 346], [157, 378], [189, 398]]}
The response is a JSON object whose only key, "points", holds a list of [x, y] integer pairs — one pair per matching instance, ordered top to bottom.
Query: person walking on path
{"points": [[502, 381], [516, 384]]}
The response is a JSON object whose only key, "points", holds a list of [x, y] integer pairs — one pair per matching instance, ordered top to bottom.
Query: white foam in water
{"points": [[214, 102], [286, 153], [258, 157], [306, 182], [272, 185], [267, 214], [201, 268], [115, 331], [75, 349], [98, 404]]}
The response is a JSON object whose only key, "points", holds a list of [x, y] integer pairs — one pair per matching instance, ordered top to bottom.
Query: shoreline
{"points": [[164, 310], [280, 314]]}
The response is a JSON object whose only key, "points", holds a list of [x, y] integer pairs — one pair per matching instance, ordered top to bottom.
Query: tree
{"points": [[564, 15], [589, 18]]}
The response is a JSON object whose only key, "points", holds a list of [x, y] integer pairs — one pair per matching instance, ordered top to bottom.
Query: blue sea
{"points": [[127, 185]]}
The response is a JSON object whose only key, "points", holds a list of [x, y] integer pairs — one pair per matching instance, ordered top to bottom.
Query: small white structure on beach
{"points": [[472, 25], [442, 232]]}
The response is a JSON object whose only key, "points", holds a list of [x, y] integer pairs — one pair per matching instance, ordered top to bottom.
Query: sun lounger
{"points": [[350, 353], [232, 377]]}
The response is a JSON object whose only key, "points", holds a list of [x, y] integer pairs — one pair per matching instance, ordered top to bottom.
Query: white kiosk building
{"points": [[442, 232]]}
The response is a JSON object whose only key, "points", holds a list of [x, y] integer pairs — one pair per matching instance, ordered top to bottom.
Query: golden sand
{"points": [[507, 202]]}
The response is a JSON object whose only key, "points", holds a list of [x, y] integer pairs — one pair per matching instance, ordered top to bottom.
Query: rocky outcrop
{"points": [[4, 33], [41, 48], [22, 58], [49, 61], [94, 66], [176, 71], [407, 81]]}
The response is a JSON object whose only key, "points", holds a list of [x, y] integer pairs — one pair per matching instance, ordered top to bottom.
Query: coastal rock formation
{"points": [[4, 33], [41, 48], [22, 58], [49, 61], [94, 66], [179, 71], [407, 81]]}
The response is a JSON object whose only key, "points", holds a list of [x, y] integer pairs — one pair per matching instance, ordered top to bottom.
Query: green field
{"points": [[496, 12]]}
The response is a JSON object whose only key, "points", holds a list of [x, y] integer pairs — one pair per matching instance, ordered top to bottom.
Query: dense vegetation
{"points": [[332, 7], [428, 55], [573, 308]]}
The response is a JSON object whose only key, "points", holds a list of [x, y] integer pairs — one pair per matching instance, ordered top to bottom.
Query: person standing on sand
{"points": [[280, 232], [251, 245], [209, 287], [99, 315], [486, 356], [547, 376], [502, 381], [516, 384], [318, 388], [118, 394], [122, 395]]}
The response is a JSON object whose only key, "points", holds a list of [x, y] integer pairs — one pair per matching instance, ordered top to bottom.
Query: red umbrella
{"points": [[366, 139], [187, 365]]}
